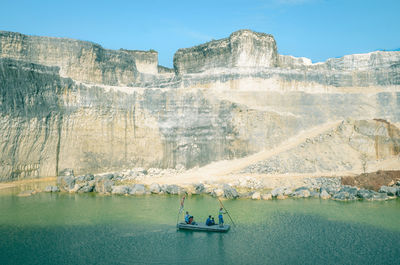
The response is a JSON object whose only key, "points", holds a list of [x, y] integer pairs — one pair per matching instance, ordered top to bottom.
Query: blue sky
{"points": [[317, 29]]}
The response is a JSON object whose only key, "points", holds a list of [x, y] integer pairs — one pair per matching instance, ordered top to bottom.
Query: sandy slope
{"points": [[220, 171]]}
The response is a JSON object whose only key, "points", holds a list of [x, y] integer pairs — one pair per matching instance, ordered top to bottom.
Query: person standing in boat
{"points": [[187, 216], [220, 217]]}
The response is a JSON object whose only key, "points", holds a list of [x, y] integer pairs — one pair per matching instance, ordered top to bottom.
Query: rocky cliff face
{"points": [[243, 48], [80, 60], [225, 99], [351, 145]]}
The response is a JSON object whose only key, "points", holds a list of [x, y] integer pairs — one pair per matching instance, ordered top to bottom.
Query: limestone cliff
{"points": [[243, 48], [80, 60], [224, 99], [351, 145]]}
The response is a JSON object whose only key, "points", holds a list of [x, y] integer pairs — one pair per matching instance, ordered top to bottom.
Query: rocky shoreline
{"points": [[127, 184]]}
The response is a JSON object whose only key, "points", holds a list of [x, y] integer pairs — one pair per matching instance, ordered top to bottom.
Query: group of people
{"points": [[210, 220]]}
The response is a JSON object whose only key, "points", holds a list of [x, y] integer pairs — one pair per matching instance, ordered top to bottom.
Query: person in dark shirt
{"points": [[209, 221]]}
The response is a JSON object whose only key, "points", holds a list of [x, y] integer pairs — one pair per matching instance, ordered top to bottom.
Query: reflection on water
{"points": [[88, 229]]}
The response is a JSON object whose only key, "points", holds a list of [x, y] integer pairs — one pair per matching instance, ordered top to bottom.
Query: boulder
{"points": [[108, 176], [84, 178], [66, 183], [103, 185], [77, 187], [88, 187], [155, 188], [199, 188], [51, 189], [137, 189], [172, 189], [349, 189], [120, 190], [281, 191], [391, 191], [218, 192], [229, 192], [302, 192], [324, 194], [365, 194], [246, 195], [256, 196], [267, 196], [344, 196], [379, 196], [281, 197]]}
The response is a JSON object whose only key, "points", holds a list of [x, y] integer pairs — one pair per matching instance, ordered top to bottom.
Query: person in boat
{"points": [[187, 216], [220, 217], [191, 221], [209, 221], [212, 221]]}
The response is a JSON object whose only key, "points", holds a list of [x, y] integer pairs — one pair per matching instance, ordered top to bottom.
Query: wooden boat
{"points": [[203, 227]]}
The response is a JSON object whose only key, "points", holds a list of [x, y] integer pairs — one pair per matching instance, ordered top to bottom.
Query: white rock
{"points": [[256, 196]]}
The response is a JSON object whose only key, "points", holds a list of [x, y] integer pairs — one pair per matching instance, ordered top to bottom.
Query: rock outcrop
{"points": [[243, 48], [80, 60], [73, 104], [353, 144]]}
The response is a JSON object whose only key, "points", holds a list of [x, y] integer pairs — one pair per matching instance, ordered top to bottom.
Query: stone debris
{"points": [[319, 187]]}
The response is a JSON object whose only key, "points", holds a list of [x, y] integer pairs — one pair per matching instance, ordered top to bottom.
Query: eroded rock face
{"points": [[243, 48], [79, 60], [230, 98], [355, 144]]}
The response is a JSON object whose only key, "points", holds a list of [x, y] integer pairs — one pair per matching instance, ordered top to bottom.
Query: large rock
{"points": [[243, 48], [81, 60], [84, 178], [66, 179], [103, 186], [87, 187], [155, 188], [199, 188], [123, 189], [138, 189], [173, 189], [281, 191], [391, 191], [217, 192], [230, 192], [301, 192], [324, 194], [365, 194], [256, 196], [267, 196], [344, 196], [378, 196]]}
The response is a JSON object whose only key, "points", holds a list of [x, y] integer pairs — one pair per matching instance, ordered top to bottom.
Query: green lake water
{"points": [[93, 229]]}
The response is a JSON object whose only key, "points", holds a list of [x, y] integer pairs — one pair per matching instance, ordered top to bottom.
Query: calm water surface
{"points": [[94, 229]]}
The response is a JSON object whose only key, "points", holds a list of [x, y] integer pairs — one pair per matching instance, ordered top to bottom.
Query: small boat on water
{"points": [[188, 225], [203, 227]]}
